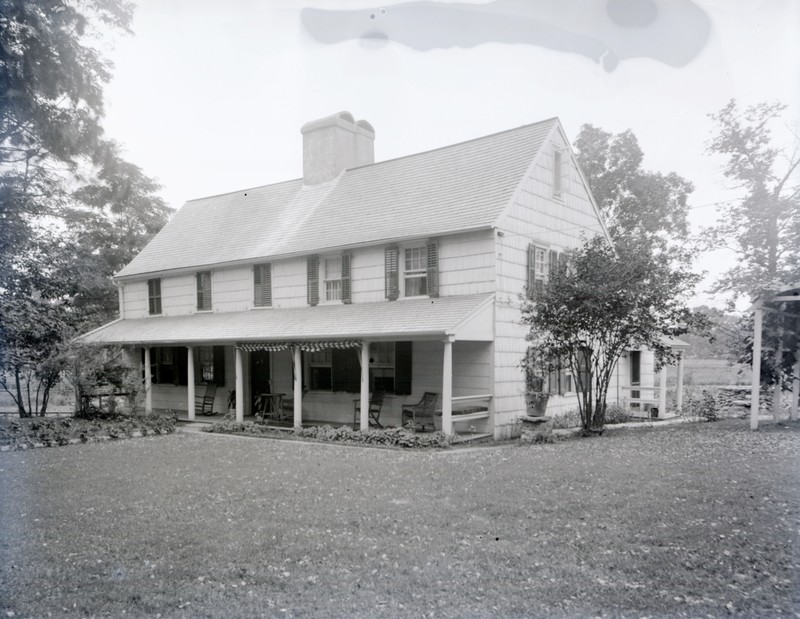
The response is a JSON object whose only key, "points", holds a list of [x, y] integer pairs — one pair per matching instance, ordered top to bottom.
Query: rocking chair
{"points": [[204, 404], [375, 405]]}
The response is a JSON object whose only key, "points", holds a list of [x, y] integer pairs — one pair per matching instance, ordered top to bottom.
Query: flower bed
{"points": [[50, 432], [388, 437]]}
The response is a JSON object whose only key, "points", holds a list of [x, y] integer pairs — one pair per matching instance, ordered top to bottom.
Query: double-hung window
{"points": [[415, 271], [333, 279], [204, 291], [154, 296], [381, 366], [320, 376]]}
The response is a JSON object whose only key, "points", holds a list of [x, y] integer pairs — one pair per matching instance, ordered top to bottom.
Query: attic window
{"points": [[558, 172]]}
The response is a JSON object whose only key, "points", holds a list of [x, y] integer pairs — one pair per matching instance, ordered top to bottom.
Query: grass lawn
{"points": [[688, 521]]}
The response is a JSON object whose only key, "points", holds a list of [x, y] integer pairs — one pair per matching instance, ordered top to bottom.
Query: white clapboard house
{"points": [[401, 277]]}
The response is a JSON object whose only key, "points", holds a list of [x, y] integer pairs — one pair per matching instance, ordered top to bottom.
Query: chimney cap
{"points": [[343, 118]]}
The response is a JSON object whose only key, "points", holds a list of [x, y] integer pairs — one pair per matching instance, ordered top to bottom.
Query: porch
{"points": [[320, 364]]}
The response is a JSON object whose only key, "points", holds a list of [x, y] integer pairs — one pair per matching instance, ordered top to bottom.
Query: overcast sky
{"points": [[209, 96]]}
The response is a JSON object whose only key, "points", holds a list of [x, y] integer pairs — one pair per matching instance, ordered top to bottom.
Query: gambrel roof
{"points": [[456, 188]]}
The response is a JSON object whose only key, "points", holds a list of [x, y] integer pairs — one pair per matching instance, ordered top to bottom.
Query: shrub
{"points": [[707, 407], [616, 414], [567, 419]]}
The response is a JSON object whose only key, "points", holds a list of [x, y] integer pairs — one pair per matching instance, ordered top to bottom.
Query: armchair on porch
{"points": [[204, 402], [375, 406], [422, 412]]}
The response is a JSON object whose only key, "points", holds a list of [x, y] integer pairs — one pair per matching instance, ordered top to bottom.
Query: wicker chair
{"points": [[421, 413]]}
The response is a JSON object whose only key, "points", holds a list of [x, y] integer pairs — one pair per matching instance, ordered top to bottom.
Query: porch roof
{"points": [[468, 317]]}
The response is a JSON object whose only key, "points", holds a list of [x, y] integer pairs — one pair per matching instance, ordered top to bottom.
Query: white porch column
{"points": [[190, 381], [755, 382], [148, 383], [239, 384], [298, 387], [447, 388], [795, 388], [662, 392], [777, 392], [679, 393], [364, 419]]}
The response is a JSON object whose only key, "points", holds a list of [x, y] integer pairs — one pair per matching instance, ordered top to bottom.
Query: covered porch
{"points": [[314, 365]]}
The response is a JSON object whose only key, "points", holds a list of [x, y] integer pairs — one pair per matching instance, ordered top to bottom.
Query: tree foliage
{"points": [[635, 202], [72, 210], [599, 305]]}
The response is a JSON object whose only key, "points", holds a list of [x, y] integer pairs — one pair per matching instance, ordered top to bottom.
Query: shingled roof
{"points": [[456, 188]]}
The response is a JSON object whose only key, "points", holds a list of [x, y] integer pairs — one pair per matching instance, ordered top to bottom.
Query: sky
{"points": [[208, 96]]}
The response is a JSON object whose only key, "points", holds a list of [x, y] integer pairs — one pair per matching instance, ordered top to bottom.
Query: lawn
{"points": [[687, 521]]}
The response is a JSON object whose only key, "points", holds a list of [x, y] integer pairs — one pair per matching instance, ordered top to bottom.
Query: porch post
{"points": [[190, 382], [755, 382], [148, 383], [239, 384], [298, 387], [447, 387], [795, 388], [662, 392], [777, 392], [679, 394], [364, 420]]}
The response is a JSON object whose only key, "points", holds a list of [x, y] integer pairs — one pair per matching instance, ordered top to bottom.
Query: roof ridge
{"points": [[438, 148], [227, 193]]}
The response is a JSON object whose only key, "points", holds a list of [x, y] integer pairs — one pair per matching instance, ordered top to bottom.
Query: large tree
{"points": [[634, 201], [72, 211], [763, 227], [603, 302]]}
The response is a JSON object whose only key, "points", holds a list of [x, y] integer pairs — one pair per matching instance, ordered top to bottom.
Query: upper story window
{"points": [[542, 262], [415, 271], [334, 273], [332, 277], [262, 285], [204, 291], [154, 296], [636, 366]]}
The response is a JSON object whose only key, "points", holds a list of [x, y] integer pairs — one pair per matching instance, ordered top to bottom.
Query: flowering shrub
{"points": [[48, 431]]}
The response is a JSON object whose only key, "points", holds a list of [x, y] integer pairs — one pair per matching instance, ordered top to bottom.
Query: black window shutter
{"points": [[392, 265], [433, 269], [312, 271], [262, 285], [346, 287], [181, 365], [219, 365], [402, 368], [345, 370]]}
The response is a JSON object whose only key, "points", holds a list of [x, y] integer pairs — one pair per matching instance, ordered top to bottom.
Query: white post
{"points": [[190, 382], [148, 383], [755, 383], [239, 384], [298, 387], [447, 388], [795, 388], [662, 392], [679, 392], [777, 392], [364, 420]]}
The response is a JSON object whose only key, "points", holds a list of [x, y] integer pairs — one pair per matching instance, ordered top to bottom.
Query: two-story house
{"points": [[403, 276]]}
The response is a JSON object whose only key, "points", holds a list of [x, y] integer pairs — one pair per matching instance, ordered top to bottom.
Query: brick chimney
{"points": [[334, 144]]}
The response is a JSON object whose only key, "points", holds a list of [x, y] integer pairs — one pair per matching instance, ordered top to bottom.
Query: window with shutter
{"points": [[392, 266], [553, 266], [537, 270], [415, 271], [312, 274], [332, 276], [262, 285], [204, 291], [154, 295]]}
